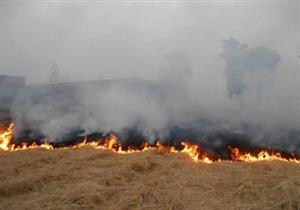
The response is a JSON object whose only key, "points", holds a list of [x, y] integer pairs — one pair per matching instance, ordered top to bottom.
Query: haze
{"points": [[183, 42]]}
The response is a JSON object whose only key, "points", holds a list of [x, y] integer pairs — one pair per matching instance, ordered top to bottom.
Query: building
{"points": [[12, 81], [9, 86]]}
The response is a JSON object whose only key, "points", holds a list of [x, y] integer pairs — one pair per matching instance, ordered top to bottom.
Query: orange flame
{"points": [[6, 138], [111, 143], [192, 151], [261, 156]]}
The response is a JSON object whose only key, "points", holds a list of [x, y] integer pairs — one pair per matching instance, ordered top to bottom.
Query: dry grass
{"points": [[94, 179]]}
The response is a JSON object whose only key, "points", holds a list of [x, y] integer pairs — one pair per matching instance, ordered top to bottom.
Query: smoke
{"points": [[175, 47], [177, 67], [248, 68], [147, 106], [166, 108]]}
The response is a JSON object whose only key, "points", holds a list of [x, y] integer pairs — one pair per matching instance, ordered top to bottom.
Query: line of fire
{"points": [[20, 135]]}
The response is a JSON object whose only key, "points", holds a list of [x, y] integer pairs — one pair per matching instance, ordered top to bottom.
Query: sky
{"points": [[91, 40], [98, 40], [210, 50]]}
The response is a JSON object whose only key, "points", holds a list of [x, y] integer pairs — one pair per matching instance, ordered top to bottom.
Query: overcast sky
{"points": [[128, 39]]}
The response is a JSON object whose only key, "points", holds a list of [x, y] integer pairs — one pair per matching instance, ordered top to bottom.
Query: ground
{"points": [[95, 179]]}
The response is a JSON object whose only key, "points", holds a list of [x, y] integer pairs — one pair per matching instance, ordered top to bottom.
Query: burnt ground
{"points": [[94, 179]]}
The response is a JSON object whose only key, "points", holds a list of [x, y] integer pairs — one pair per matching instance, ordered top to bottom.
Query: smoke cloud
{"points": [[155, 72], [148, 106], [163, 109]]}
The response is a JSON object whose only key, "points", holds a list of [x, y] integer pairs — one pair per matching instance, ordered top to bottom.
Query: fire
{"points": [[6, 138], [111, 144], [25, 146], [193, 151], [261, 156]]}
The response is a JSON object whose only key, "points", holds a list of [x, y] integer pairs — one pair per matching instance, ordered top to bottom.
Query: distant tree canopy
{"points": [[247, 67], [54, 75]]}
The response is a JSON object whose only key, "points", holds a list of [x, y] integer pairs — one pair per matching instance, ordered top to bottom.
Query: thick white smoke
{"points": [[167, 108]]}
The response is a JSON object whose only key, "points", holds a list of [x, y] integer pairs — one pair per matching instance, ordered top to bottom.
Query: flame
{"points": [[6, 138], [111, 144], [25, 146], [193, 152], [261, 156]]}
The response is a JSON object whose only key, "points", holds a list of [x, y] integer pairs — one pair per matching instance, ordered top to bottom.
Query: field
{"points": [[94, 179]]}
